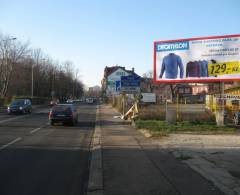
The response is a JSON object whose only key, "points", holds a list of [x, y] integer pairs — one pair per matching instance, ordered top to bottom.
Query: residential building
{"points": [[112, 78]]}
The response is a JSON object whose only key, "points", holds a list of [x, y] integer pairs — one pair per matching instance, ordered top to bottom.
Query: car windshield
{"points": [[18, 102], [62, 108]]}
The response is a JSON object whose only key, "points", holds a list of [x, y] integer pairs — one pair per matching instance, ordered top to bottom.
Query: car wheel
{"points": [[76, 120], [52, 123], [72, 123]]}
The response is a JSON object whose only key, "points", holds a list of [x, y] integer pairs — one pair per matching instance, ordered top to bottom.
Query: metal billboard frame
{"points": [[189, 80]]}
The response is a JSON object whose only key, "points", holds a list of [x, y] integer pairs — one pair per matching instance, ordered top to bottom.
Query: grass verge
{"points": [[161, 128]]}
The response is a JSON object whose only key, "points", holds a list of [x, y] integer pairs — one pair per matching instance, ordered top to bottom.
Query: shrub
{"points": [[1, 101], [159, 127]]}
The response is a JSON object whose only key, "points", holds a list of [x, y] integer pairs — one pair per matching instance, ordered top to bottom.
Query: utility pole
{"points": [[32, 78], [53, 92]]}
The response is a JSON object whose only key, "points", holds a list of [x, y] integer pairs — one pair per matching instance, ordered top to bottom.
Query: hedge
{"points": [[35, 100]]}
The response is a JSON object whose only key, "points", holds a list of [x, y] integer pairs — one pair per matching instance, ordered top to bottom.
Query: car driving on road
{"points": [[90, 100], [53, 103], [20, 106], [65, 113]]}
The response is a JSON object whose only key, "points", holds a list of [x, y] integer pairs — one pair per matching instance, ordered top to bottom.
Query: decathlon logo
{"points": [[173, 46]]}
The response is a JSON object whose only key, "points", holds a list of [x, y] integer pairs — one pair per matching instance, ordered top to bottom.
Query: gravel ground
{"points": [[215, 157]]}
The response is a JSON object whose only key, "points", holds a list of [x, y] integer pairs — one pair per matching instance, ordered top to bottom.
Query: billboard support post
{"points": [[123, 104], [223, 106], [177, 107], [220, 112], [171, 113]]}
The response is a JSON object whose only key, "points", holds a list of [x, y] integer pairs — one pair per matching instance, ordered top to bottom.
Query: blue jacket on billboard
{"points": [[170, 65], [204, 68]]}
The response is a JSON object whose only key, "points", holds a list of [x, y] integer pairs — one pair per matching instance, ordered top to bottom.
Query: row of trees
{"points": [[28, 71]]}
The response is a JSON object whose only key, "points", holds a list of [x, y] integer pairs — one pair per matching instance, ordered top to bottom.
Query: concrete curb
{"points": [[145, 132], [95, 182]]}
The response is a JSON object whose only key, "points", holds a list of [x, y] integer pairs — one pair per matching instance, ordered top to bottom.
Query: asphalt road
{"points": [[39, 159]]}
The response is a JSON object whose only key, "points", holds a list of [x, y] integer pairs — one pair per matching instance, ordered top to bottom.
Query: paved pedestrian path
{"points": [[133, 164]]}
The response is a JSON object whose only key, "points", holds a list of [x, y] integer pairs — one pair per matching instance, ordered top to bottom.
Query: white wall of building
{"points": [[111, 81]]}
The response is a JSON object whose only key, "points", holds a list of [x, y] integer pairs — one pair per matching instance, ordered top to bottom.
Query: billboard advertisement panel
{"points": [[204, 59]]}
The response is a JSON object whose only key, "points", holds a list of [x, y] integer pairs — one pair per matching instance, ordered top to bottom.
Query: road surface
{"points": [[39, 159]]}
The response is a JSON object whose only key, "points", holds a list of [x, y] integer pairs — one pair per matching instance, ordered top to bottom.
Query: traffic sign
{"points": [[130, 81], [130, 84], [118, 86]]}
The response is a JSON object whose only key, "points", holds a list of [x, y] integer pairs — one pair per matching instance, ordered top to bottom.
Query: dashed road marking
{"points": [[11, 119], [39, 128], [35, 130], [10, 143]]}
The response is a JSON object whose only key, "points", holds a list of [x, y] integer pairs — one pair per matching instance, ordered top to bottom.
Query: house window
{"points": [[120, 73]]}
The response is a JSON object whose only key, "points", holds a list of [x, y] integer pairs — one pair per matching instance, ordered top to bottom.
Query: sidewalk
{"points": [[216, 157], [133, 164]]}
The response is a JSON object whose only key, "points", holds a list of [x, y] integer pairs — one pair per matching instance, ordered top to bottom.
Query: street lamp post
{"points": [[53, 77], [32, 79]]}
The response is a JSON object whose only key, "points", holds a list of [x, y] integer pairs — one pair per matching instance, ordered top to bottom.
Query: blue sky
{"points": [[98, 33]]}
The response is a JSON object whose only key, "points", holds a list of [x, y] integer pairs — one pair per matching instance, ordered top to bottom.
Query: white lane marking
{"points": [[43, 111], [11, 119], [35, 130], [10, 143]]}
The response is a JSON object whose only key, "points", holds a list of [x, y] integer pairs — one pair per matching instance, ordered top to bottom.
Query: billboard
{"points": [[203, 59]]}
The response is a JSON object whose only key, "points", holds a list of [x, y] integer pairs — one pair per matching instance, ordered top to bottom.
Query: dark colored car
{"points": [[90, 100], [53, 103], [22, 106], [65, 113]]}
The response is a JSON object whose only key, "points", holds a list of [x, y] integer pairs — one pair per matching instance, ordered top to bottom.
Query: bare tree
{"points": [[11, 53], [22, 67], [148, 74]]}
